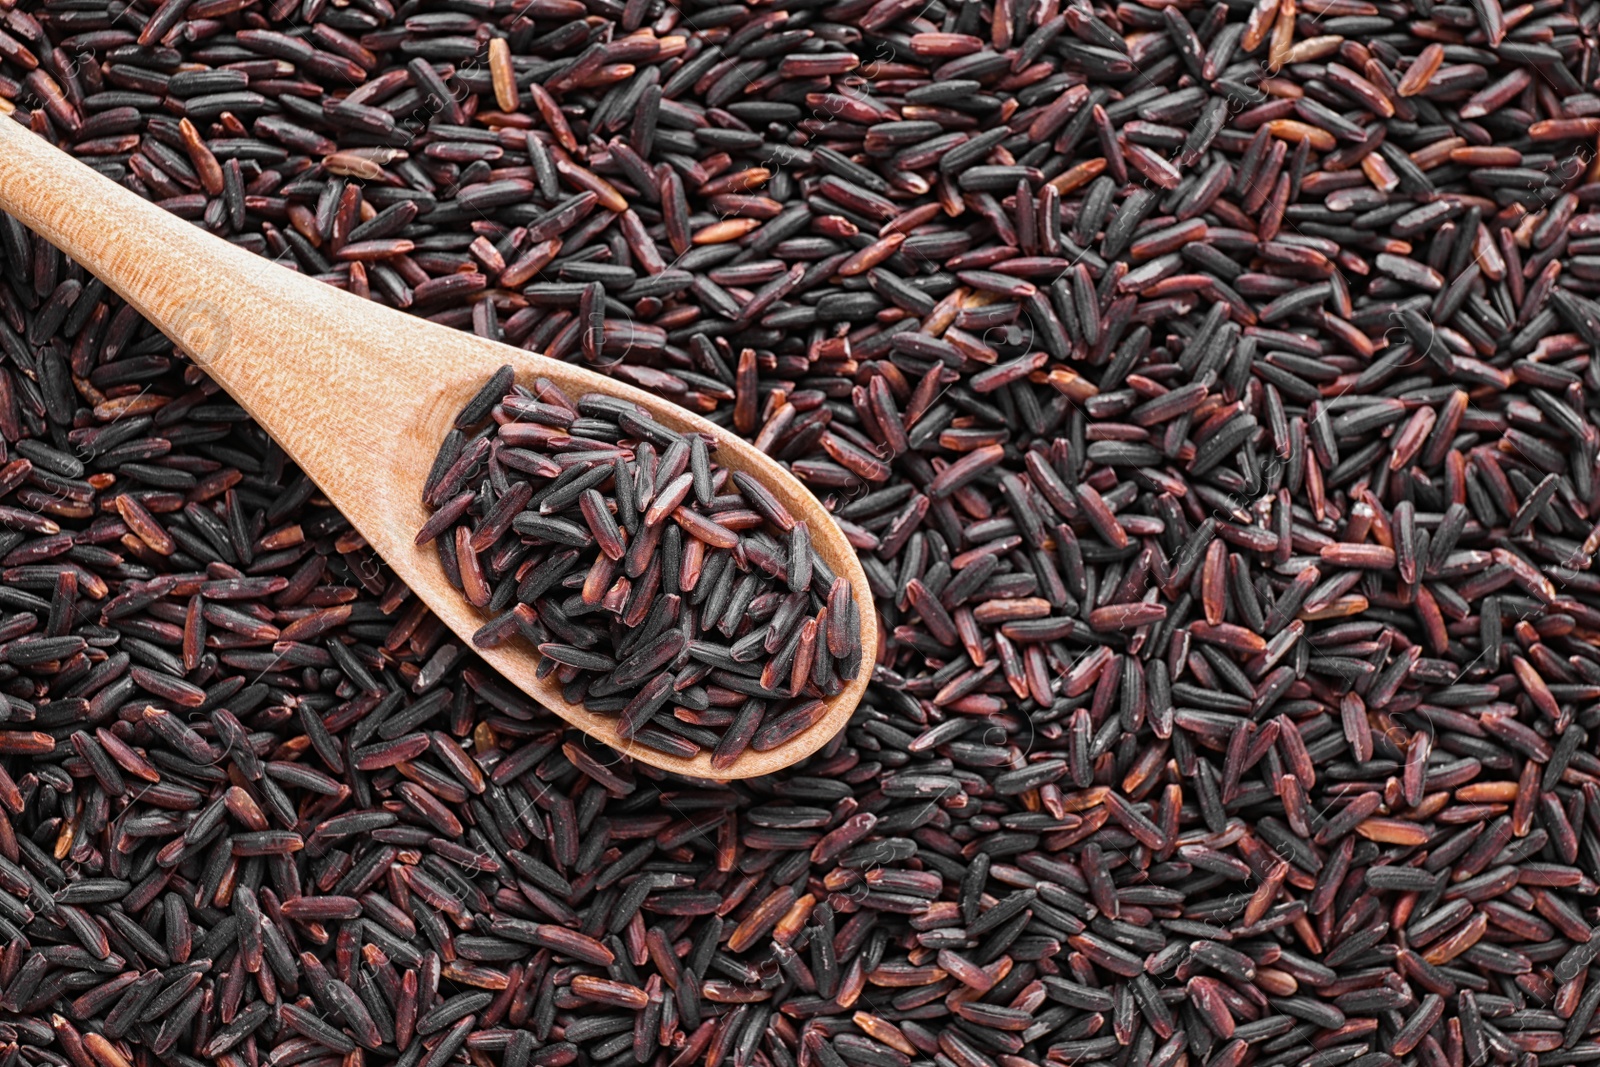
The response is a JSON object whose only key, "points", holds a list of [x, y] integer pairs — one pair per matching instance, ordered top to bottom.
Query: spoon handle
{"points": [[288, 348]]}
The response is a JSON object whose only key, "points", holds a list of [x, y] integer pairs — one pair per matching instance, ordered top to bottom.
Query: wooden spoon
{"points": [[360, 397]]}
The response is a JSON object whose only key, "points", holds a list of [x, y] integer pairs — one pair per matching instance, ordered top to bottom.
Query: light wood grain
{"points": [[360, 396]]}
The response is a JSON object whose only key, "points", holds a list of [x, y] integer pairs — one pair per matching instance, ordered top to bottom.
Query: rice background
{"points": [[1208, 389]]}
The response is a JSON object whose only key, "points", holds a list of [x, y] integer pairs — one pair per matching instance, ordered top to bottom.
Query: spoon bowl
{"points": [[360, 396]]}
